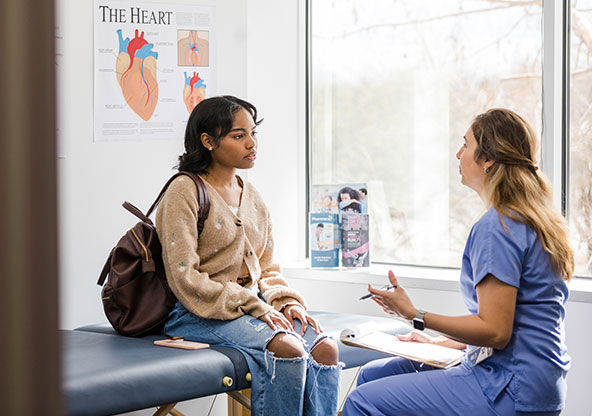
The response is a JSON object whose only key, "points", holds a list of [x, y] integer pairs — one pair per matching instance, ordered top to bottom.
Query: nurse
{"points": [[515, 266]]}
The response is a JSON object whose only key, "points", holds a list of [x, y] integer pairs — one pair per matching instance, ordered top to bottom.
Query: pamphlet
{"points": [[352, 197], [324, 239], [355, 245], [477, 354]]}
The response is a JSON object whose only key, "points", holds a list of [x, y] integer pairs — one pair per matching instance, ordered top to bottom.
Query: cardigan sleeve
{"points": [[272, 285], [204, 297]]}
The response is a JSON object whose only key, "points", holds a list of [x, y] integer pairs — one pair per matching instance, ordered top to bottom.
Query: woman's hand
{"points": [[396, 302], [297, 312], [276, 319], [420, 336]]}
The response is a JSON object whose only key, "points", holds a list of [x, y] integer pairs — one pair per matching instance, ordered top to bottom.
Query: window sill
{"points": [[410, 277]]}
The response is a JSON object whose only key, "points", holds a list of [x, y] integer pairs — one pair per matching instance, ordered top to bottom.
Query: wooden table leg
{"points": [[239, 403], [164, 409], [175, 412]]}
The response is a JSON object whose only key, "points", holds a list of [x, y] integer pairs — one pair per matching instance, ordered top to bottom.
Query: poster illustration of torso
{"points": [[154, 63]]}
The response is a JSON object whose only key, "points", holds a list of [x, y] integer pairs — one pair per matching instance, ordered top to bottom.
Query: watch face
{"points": [[418, 324]]}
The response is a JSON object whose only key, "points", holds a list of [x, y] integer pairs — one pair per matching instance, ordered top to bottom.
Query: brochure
{"points": [[339, 198], [324, 239], [355, 245]]}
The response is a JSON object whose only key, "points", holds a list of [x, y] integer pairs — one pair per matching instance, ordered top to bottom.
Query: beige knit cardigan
{"points": [[202, 271]]}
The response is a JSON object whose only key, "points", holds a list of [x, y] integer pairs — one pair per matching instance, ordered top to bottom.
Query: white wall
{"points": [[261, 57], [276, 85], [95, 178]]}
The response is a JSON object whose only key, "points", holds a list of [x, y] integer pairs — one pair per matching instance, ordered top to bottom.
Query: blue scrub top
{"points": [[534, 364]]}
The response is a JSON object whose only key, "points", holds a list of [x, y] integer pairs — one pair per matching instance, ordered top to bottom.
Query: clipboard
{"points": [[434, 355]]}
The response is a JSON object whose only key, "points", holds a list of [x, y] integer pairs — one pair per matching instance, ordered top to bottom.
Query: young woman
{"points": [[513, 280], [229, 288]]}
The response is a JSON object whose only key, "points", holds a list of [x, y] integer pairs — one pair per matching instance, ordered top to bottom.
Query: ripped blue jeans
{"points": [[279, 386]]}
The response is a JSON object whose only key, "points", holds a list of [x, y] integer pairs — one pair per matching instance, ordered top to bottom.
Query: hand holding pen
{"points": [[385, 287], [395, 302]]}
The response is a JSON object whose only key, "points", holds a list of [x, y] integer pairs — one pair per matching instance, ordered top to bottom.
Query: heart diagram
{"points": [[193, 48], [136, 74], [194, 91]]}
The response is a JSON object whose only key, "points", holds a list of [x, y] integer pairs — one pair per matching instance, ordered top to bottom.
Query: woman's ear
{"points": [[207, 141], [488, 164]]}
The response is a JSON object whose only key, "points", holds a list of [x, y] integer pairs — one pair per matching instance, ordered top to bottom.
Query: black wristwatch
{"points": [[418, 322]]}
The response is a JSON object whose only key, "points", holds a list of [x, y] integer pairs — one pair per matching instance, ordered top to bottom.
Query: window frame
{"points": [[556, 82], [555, 101]]}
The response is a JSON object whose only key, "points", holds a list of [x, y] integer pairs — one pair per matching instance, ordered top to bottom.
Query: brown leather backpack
{"points": [[137, 298]]}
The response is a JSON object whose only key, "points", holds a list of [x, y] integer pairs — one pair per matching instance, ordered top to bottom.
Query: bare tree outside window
{"points": [[395, 85], [580, 195]]}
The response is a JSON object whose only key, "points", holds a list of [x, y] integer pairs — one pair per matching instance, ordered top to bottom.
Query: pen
{"points": [[387, 287]]}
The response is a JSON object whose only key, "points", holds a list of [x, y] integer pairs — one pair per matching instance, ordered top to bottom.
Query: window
{"points": [[394, 86], [580, 178]]}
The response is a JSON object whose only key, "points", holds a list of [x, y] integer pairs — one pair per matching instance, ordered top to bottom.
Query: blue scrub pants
{"points": [[396, 386]]}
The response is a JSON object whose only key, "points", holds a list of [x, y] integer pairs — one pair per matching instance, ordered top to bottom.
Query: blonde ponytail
{"points": [[514, 186]]}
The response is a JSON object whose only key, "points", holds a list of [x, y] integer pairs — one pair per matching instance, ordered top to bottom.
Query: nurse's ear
{"points": [[487, 165]]}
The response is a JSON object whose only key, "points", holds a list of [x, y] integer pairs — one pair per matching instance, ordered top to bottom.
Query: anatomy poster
{"points": [[154, 63]]}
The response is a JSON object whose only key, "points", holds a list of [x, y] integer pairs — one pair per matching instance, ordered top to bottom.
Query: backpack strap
{"points": [[203, 199], [136, 211], [106, 269]]}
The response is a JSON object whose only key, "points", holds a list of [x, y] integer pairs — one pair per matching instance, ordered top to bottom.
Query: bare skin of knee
{"points": [[286, 346], [326, 352]]}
